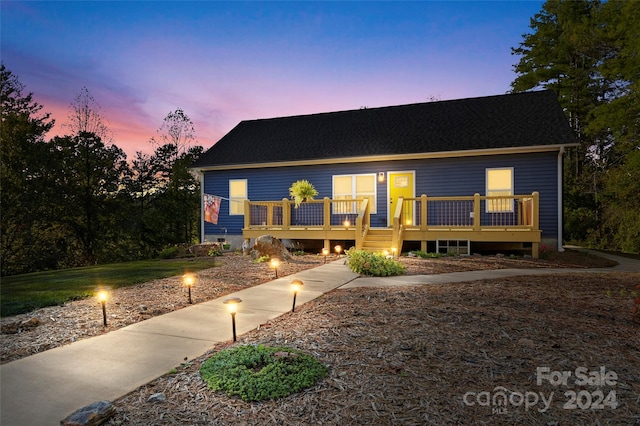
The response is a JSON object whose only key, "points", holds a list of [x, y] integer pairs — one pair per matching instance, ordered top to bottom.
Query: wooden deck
{"points": [[508, 219]]}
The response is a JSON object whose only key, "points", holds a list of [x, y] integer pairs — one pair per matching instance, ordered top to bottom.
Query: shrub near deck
{"points": [[373, 264]]}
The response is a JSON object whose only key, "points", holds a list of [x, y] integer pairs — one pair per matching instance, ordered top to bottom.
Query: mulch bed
{"points": [[432, 354]]}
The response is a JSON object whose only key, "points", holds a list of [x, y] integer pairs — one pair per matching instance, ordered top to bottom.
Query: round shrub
{"points": [[373, 264], [256, 373]]}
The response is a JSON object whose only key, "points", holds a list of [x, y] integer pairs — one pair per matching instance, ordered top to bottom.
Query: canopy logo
{"points": [[501, 398]]}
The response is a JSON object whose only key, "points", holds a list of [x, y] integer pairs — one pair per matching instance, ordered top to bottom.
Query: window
{"points": [[500, 183], [354, 186], [237, 195]]}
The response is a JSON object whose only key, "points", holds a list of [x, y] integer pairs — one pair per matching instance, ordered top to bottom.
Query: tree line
{"points": [[587, 52], [75, 200]]}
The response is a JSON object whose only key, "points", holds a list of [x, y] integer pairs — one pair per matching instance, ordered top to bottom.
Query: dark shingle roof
{"points": [[505, 121]]}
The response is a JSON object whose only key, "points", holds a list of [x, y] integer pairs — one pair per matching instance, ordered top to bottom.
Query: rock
{"points": [[268, 245], [203, 249], [30, 324], [18, 327], [10, 328], [527, 342], [157, 397], [95, 414]]}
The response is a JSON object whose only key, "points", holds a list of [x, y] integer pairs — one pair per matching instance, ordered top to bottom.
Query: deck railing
{"points": [[475, 212], [324, 214], [419, 218]]}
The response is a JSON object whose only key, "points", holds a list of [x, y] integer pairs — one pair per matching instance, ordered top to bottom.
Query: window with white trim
{"points": [[499, 182], [354, 186], [237, 195]]}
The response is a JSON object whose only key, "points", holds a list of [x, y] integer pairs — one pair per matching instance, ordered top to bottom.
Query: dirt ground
{"points": [[482, 352]]}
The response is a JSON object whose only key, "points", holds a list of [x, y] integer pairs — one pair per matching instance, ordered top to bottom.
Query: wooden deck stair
{"points": [[378, 239]]}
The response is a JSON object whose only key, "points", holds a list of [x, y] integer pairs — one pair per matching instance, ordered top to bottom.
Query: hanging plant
{"points": [[302, 190]]}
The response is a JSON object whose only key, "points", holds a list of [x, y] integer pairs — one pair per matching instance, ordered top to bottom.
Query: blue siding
{"points": [[433, 177]]}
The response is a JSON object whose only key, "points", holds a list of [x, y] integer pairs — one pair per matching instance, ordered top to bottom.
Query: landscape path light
{"points": [[338, 249], [394, 251], [325, 253], [275, 264], [189, 280], [295, 284], [103, 296], [232, 303]]}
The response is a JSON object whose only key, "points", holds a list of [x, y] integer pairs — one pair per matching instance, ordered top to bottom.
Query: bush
{"points": [[168, 252], [426, 255], [373, 264], [256, 373]]}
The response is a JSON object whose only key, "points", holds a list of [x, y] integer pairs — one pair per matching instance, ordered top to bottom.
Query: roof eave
{"points": [[391, 157]]}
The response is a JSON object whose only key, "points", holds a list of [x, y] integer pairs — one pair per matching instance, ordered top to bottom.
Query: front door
{"points": [[401, 184]]}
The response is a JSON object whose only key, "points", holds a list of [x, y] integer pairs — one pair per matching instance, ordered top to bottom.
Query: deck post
{"points": [[476, 212], [423, 213], [247, 214], [270, 214], [286, 214], [327, 214], [535, 222], [397, 224]]}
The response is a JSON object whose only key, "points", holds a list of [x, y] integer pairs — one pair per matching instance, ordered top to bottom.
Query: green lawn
{"points": [[24, 293]]}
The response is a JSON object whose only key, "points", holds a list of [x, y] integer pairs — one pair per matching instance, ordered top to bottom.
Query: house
{"points": [[458, 175]]}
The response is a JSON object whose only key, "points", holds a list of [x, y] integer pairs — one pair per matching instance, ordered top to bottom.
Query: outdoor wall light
{"points": [[380, 176], [346, 223], [338, 249], [325, 253], [275, 264], [189, 280], [295, 284], [103, 296], [232, 303]]}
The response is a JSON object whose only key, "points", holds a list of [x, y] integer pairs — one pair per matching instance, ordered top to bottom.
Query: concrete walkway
{"points": [[624, 265], [43, 389]]}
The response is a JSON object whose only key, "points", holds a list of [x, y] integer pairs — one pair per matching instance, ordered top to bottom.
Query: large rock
{"points": [[268, 245], [203, 249], [92, 415]]}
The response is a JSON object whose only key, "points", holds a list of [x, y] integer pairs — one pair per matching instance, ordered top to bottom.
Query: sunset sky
{"points": [[223, 62]]}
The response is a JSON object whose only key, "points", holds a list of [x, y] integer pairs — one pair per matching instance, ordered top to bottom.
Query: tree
{"points": [[586, 51], [561, 54], [618, 116], [85, 117], [178, 131], [22, 133], [88, 178], [177, 202]]}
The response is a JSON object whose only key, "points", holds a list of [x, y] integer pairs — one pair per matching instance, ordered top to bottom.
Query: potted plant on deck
{"points": [[302, 190]]}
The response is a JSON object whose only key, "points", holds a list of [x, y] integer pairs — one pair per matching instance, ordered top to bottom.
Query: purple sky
{"points": [[223, 62]]}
